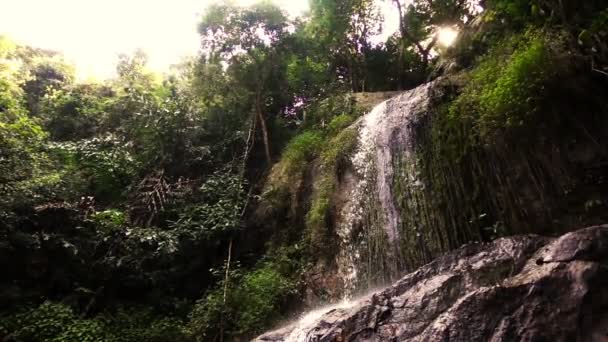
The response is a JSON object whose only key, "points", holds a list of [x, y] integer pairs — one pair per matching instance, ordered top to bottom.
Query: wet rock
{"points": [[524, 288]]}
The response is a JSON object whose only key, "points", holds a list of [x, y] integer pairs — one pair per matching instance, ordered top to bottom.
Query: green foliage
{"points": [[518, 10], [227, 27], [342, 31], [46, 72], [305, 73], [506, 90], [514, 93], [11, 94], [339, 107], [76, 112], [339, 123], [339, 149], [300, 151], [332, 158], [104, 162], [26, 170], [287, 176], [132, 186], [218, 213], [110, 220], [253, 301], [52, 322], [58, 323], [141, 324], [85, 330]]}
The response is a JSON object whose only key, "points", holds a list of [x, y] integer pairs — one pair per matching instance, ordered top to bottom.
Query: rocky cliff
{"points": [[522, 288]]}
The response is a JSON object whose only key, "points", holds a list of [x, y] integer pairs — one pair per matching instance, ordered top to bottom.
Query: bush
{"points": [[506, 90], [321, 113], [340, 122], [301, 150], [105, 162], [27, 173], [286, 180], [218, 212], [110, 220], [254, 300], [51, 322], [57, 322], [141, 324]]}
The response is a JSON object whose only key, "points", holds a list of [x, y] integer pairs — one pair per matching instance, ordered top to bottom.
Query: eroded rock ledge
{"points": [[523, 288]]}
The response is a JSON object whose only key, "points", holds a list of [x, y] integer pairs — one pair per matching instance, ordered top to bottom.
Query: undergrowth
{"points": [[253, 300], [58, 322]]}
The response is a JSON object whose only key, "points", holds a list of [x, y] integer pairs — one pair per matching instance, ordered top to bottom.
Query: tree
{"points": [[419, 21], [344, 28], [246, 39], [43, 71]]}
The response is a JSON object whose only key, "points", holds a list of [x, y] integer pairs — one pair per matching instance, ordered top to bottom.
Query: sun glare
{"points": [[91, 34], [446, 36]]}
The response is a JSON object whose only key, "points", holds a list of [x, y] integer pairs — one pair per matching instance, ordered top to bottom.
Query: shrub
{"points": [[506, 89], [321, 113], [338, 123], [301, 150], [105, 162], [26, 171], [287, 176], [218, 212], [110, 220], [254, 300], [52, 322], [57, 322], [141, 324]]}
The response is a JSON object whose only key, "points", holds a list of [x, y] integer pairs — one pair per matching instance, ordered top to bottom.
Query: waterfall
{"points": [[371, 224]]}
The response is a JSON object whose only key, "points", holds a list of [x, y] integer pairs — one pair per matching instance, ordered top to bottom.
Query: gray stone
{"points": [[523, 288]]}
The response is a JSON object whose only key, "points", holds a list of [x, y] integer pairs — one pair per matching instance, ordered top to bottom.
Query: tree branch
{"points": [[405, 34]]}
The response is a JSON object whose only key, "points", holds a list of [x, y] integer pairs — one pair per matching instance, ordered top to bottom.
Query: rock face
{"points": [[523, 288]]}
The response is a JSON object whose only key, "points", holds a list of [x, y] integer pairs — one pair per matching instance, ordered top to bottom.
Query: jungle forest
{"points": [[265, 177]]}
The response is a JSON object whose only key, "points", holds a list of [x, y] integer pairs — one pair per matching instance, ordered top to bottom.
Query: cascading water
{"points": [[370, 226]]}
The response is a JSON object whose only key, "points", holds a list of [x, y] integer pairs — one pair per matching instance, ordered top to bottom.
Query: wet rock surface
{"points": [[523, 288]]}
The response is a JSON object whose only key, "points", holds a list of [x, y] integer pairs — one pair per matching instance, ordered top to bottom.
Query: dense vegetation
{"points": [[181, 207]]}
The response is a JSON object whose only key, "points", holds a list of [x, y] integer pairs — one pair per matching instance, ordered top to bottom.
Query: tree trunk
{"points": [[424, 52], [262, 121], [226, 278]]}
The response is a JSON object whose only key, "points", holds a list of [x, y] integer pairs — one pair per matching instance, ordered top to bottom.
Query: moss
{"points": [[505, 91], [498, 102], [340, 122], [327, 149], [300, 150], [495, 154], [332, 159], [287, 177], [317, 218]]}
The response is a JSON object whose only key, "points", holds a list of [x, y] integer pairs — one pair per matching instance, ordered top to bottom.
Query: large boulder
{"points": [[523, 288]]}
